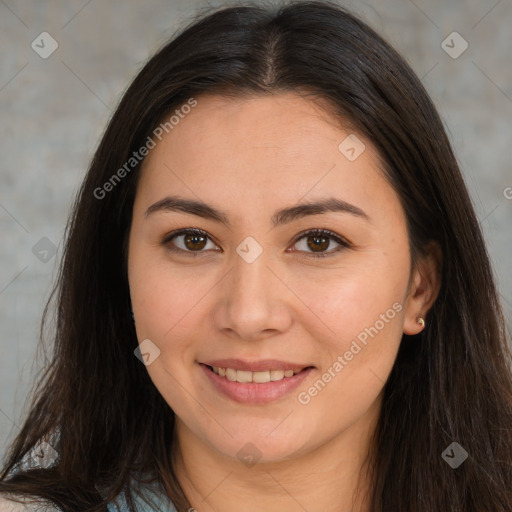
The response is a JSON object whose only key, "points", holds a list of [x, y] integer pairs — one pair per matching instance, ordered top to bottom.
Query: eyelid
{"points": [[342, 241]]}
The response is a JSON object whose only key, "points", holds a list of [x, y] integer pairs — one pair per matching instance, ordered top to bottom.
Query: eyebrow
{"points": [[284, 216]]}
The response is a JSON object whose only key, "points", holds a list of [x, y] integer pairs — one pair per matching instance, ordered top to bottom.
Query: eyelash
{"points": [[344, 244]]}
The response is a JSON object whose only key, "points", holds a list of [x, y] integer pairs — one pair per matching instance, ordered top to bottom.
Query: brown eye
{"points": [[318, 241], [189, 242]]}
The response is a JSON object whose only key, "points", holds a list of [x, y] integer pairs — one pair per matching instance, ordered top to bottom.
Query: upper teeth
{"points": [[258, 377]]}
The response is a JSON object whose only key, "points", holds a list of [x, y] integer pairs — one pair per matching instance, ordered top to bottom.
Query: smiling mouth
{"points": [[263, 377]]}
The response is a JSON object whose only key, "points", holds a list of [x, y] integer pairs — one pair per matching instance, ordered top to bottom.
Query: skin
{"points": [[250, 157]]}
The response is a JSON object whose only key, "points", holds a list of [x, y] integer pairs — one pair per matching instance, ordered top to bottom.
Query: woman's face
{"points": [[246, 291]]}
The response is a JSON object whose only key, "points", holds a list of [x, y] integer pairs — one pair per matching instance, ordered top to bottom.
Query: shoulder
{"points": [[157, 502], [27, 505]]}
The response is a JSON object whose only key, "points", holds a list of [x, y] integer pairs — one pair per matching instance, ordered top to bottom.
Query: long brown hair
{"points": [[451, 383]]}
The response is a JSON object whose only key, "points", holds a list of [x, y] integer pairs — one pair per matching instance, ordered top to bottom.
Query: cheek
{"points": [[166, 301], [341, 303], [166, 304], [356, 320], [355, 367]]}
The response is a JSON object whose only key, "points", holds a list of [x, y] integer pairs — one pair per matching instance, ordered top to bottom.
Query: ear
{"points": [[424, 287]]}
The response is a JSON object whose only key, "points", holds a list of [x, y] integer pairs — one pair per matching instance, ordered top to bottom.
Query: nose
{"points": [[253, 301]]}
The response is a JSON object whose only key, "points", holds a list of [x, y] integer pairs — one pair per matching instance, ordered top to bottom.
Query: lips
{"points": [[260, 391]]}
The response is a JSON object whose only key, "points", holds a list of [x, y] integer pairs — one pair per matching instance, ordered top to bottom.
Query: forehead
{"points": [[287, 122], [255, 149]]}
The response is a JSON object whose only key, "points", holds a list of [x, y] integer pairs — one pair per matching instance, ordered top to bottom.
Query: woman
{"points": [[275, 293]]}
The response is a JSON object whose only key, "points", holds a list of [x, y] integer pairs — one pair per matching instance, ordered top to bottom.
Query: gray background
{"points": [[54, 111]]}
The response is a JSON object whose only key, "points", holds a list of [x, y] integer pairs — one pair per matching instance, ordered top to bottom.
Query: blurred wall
{"points": [[54, 107]]}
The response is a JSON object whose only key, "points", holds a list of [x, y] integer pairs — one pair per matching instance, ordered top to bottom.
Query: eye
{"points": [[318, 240], [193, 241]]}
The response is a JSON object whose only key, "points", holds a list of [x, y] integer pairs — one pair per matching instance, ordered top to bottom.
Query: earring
{"points": [[420, 321]]}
